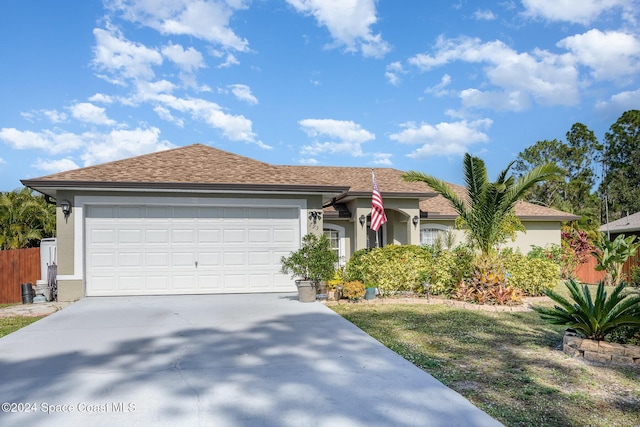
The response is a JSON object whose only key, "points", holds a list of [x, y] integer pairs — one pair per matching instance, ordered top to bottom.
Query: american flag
{"points": [[377, 207]]}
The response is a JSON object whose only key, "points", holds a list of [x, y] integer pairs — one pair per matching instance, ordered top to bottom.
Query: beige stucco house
{"points": [[196, 220]]}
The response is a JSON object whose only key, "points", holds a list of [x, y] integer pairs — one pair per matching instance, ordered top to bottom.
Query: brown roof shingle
{"points": [[201, 166]]}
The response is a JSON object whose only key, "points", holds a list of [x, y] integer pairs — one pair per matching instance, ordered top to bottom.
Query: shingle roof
{"points": [[200, 166], [439, 207], [626, 223]]}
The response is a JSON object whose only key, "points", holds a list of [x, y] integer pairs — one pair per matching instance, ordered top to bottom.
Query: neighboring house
{"points": [[196, 220], [627, 225]]}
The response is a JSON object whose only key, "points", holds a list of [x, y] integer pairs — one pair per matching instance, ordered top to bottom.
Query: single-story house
{"points": [[196, 219], [627, 225]]}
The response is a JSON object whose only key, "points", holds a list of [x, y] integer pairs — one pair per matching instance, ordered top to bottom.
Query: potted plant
{"points": [[313, 262]]}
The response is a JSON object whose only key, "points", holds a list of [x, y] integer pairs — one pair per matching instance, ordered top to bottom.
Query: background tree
{"points": [[621, 181], [572, 191], [487, 211], [25, 219]]}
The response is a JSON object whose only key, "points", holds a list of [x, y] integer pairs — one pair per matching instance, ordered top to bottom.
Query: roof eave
{"points": [[48, 186]]}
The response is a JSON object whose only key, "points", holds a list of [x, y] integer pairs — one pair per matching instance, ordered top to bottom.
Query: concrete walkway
{"points": [[215, 360]]}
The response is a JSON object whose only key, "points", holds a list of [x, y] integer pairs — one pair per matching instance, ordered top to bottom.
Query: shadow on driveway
{"points": [[215, 360]]}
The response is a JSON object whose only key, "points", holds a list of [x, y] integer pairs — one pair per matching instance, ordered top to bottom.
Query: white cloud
{"points": [[584, 12], [484, 15], [203, 19], [349, 23], [610, 54], [123, 59], [187, 60], [229, 61], [393, 72], [547, 78], [441, 88], [243, 93], [102, 98], [623, 101], [89, 113], [54, 116], [236, 128], [350, 136], [444, 138], [46, 140], [120, 144], [94, 147], [382, 159], [308, 162], [53, 166]]}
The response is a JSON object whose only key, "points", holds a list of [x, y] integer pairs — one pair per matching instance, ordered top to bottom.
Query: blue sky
{"points": [[406, 84]]}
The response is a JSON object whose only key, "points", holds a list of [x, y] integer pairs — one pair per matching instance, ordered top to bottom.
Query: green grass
{"points": [[12, 324], [508, 364]]}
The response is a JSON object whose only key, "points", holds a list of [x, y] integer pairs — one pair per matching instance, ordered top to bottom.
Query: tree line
{"points": [[599, 179], [25, 219]]}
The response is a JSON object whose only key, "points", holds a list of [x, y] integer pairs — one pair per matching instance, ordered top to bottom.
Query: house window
{"points": [[429, 233], [335, 234], [334, 240]]}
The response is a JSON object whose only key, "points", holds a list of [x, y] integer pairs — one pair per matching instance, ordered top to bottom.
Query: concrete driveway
{"points": [[215, 360]]}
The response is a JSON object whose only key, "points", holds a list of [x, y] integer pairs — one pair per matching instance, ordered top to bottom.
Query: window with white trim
{"points": [[430, 232], [335, 234]]}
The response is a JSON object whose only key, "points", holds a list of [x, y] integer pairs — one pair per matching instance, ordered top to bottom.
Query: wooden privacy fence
{"points": [[16, 267], [587, 273]]}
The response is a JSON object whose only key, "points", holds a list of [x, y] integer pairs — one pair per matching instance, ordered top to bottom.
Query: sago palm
{"points": [[487, 210], [593, 317]]}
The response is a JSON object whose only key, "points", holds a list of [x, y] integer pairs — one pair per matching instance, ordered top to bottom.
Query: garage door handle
{"points": [[196, 264]]}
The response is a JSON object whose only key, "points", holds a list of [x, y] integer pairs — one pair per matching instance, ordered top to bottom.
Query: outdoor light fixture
{"points": [[66, 208], [315, 216], [363, 219], [416, 220]]}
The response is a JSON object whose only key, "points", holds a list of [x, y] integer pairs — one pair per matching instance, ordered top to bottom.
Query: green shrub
{"points": [[391, 268], [447, 270], [531, 275], [593, 317]]}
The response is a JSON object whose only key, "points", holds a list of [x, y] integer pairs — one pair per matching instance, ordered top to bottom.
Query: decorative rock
{"points": [[589, 345], [611, 348], [631, 350], [571, 351], [600, 351], [597, 357], [621, 359]]}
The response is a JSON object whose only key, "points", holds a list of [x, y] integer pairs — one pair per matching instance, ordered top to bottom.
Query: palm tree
{"points": [[487, 210], [24, 219]]}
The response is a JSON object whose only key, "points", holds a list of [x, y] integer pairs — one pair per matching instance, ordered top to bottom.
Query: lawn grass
{"points": [[13, 323], [508, 364]]}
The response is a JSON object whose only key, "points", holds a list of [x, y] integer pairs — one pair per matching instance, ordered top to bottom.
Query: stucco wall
{"points": [[539, 233]]}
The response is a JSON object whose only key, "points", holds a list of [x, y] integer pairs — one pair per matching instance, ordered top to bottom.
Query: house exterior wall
{"points": [[539, 233], [71, 286]]}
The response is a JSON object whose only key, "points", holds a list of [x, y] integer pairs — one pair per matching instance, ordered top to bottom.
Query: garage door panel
{"points": [[209, 235], [234, 235], [157, 236], [183, 236], [102, 237], [130, 237], [135, 250], [130, 259], [183, 259], [209, 259]]}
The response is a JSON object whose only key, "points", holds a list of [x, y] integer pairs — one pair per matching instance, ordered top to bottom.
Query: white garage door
{"points": [[157, 250]]}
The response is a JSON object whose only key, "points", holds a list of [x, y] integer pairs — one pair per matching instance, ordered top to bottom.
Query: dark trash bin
{"points": [[27, 293]]}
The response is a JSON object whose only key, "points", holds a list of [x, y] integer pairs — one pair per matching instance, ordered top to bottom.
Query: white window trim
{"points": [[81, 202], [432, 226], [341, 240]]}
